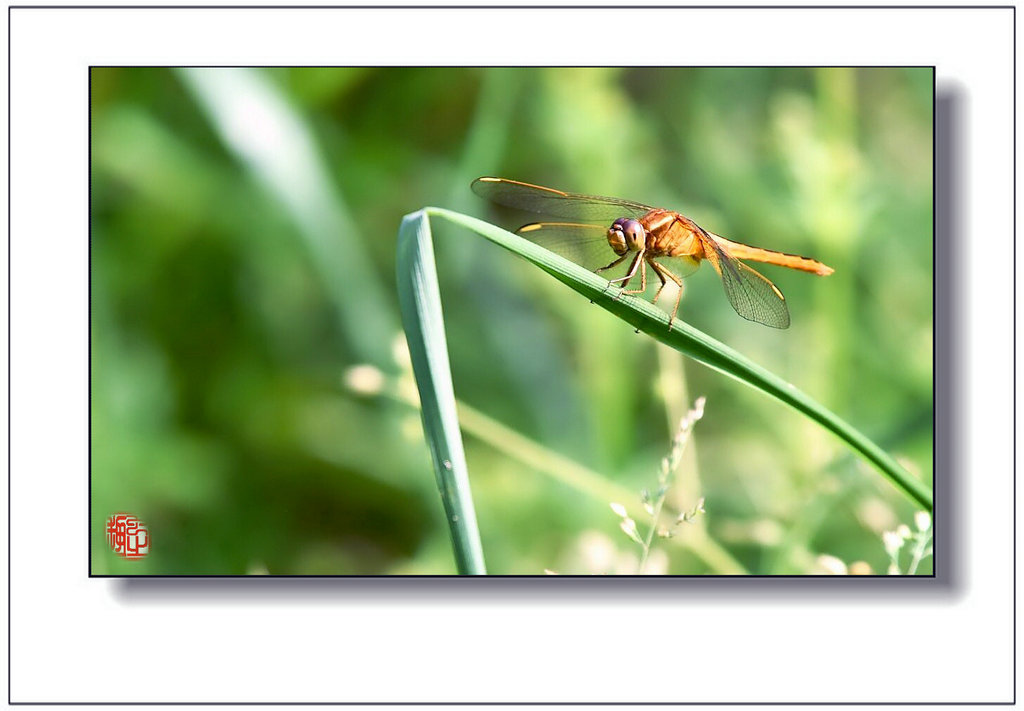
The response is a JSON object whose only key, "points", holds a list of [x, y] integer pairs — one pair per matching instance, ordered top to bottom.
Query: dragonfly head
{"points": [[626, 235]]}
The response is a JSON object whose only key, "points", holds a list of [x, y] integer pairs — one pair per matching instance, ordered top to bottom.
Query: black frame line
{"points": [[511, 7], [836, 580]]}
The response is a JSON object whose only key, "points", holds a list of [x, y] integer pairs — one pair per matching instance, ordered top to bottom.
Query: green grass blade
{"points": [[292, 170], [420, 302], [693, 343]]}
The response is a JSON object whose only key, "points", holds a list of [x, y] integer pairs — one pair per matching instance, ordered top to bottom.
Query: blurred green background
{"points": [[251, 397]]}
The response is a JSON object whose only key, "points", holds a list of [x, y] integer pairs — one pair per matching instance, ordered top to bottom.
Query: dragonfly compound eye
{"points": [[634, 234], [625, 235]]}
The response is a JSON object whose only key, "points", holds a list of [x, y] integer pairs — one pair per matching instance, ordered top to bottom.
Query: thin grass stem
{"points": [[564, 470]]}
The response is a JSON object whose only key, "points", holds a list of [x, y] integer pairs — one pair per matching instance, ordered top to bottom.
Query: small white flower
{"points": [[364, 379], [698, 408], [619, 509], [923, 520], [628, 527], [903, 530], [892, 541], [831, 565]]}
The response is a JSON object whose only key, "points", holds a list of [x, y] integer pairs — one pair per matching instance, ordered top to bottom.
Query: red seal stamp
{"points": [[127, 536]]}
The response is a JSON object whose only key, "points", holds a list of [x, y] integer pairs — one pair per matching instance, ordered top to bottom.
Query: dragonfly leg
{"points": [[616, 263], [637, 263], [656, 267], [632, 271], [662, 272], [643, 280]]}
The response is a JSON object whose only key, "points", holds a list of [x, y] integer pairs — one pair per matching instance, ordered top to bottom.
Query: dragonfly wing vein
{"points": [[548, 201], [752, 295]]}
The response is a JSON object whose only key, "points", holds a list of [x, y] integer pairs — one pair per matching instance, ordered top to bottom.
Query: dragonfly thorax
{"points": [[627, 235]]}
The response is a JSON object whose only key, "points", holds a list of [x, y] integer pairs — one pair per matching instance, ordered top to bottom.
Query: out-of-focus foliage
{"points": [[242, 255]]}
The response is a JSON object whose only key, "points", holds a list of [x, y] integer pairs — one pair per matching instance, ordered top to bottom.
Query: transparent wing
{"points": [[548, 201], [586, 245], [682, 267], [753, 296]]}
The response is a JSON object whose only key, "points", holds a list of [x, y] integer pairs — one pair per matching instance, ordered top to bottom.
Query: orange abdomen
{"points": [[767, 256]]}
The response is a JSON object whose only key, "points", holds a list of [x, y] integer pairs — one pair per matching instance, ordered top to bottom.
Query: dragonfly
{"points": [[669, 243]]}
